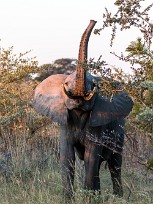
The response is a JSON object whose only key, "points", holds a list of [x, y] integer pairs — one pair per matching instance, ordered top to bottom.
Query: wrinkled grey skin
{"points": [[91, 127], [94, 130]]}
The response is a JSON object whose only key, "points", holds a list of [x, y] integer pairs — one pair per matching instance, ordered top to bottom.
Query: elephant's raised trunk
{"points": [[80, 89]]}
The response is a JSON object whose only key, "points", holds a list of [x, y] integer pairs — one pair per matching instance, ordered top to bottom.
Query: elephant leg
{"points": [[67, 159], [92, 165], [114, 165]]}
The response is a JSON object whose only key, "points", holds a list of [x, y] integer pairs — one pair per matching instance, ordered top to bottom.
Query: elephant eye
{"points": [[66, 83]]}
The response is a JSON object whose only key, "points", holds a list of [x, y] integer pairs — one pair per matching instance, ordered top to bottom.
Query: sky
{"points": [[52, 29]]}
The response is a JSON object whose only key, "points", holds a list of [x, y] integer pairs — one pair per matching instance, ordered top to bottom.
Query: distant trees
{"points": [[60, 66]]}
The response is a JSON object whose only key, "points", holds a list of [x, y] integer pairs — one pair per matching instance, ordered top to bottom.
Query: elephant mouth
{"points": [[70, 94], [88, 96], [74, 102]]}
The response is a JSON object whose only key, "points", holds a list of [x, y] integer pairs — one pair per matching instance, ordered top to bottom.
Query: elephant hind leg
{"points": [[114, 165]]}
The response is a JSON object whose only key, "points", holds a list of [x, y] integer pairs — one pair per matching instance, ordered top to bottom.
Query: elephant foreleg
{"points": [[67, 159], [92, 164], [115, 164]]}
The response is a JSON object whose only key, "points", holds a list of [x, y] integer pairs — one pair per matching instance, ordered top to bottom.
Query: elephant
{"points": [[91, 125]]}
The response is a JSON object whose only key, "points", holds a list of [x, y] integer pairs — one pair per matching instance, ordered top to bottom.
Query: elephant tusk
{"points": [[90, 94], [86, 97]]}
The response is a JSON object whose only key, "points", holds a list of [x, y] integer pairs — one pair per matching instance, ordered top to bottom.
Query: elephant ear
{"points": [[49, 98], [106, 110]]}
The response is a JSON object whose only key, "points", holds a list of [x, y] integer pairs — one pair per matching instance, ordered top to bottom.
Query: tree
{"points": [[60, 66], [15, 73], [16, 91]]}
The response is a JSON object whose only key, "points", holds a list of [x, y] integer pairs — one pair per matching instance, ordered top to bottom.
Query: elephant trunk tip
{"points": [[93, 21], [80, 89]]}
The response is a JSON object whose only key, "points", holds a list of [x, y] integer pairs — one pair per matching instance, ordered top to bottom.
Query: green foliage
{"points": [[129, 14], [136, 48], [15, 67], [15, 83], [147, 85], [16, 87], [147, 92], [16, 93], [136, 109], [145, 119], [150, 164]]}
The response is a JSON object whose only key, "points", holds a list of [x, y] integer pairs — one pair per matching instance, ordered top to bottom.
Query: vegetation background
{"points": [[29, 143]]}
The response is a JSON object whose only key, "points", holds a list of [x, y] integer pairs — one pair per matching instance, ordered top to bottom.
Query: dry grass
{"points": [[30, 173]]}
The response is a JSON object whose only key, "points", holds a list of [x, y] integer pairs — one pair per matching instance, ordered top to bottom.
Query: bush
{"points": [[145, 119]]}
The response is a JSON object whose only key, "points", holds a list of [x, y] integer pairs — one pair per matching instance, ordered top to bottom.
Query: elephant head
{"points": [[59, 93]]}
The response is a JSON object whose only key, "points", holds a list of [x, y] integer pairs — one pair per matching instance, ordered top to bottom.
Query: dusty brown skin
{"points": [[78, 77], [92, 126]]}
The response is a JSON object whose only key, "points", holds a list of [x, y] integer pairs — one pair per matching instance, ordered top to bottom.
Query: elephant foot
{"points": [[118, 191], [67, 197]]}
